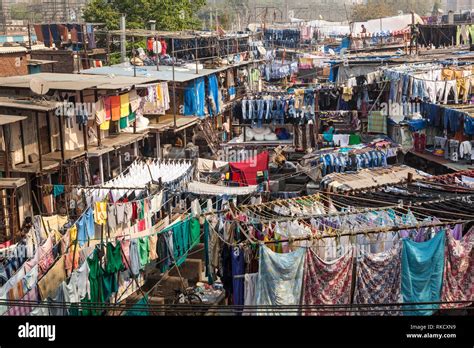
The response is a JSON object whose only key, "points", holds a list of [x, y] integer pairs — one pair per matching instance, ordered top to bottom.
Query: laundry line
{"points": [[364, 232]]}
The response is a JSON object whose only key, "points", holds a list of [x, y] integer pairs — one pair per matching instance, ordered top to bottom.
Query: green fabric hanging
{"points": [[123, 123], [354, 139], [195, 232], [144, 251], [114, 258], [95, 280]]}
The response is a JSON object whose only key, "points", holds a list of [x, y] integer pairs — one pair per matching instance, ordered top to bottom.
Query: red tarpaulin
{"points": [[245, 172]]}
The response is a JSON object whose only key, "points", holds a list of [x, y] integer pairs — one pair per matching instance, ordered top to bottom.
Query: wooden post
{"points": [[108, 48], [197, 59], [316, 117], [84, 129], [99, 135], [61, 136], [38, 139], [158, 145], [7, 150], [120, 161], [101, 169], [109, 169], [13, 215]]}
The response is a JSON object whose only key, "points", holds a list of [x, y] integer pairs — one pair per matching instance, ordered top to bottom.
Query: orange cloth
{"points": [[115, 106]]}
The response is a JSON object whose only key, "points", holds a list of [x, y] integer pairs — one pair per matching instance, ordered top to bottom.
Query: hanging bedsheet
{"points": [[202, 188], [422, 273], [458, 278], [280, 279], [378, 279], [327, 283]]}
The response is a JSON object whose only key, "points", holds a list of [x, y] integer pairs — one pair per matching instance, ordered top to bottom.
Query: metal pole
{"points": [[29, 35], [123, 50], [157, 56], [197, 60], [174, 84]]}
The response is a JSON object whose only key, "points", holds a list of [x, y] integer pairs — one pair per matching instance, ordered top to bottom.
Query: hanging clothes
{"points": [[114, 258], [238, 268], [422, 273], [458, 277], [280, 279], [378, 279], [327, 283], [250, 291]]}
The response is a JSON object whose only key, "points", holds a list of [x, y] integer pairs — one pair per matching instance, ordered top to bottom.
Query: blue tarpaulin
{"points": [[213, 90], [195, 98], [422, 273]]}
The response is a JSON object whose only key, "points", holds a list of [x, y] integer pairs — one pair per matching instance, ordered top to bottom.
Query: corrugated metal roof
{"points": [[14, 49], [165, 73], [75, 82], [28, 104], [7, 119]]}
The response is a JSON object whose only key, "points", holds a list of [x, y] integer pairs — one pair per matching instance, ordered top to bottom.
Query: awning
{"points": [[202, 188]]}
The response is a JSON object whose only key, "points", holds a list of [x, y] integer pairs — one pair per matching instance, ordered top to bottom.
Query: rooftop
{"points": [[165, 72], [75, 82]]}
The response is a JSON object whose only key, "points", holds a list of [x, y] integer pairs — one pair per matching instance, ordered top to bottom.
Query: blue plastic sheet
{"points": [[213, 89], [195, 98], [422, 273], [280, 278]]}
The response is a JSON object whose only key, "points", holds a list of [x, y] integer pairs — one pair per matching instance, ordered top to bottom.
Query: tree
{"points": [[372, 10], [19, 11], [169, 14]]}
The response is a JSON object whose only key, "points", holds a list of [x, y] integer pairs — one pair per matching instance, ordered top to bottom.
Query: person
{"points": [[363, 34], [329, 132], [179, 142], [96, 177]]}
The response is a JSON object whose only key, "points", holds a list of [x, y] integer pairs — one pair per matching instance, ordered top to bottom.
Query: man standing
{"points": [[363, 33]]}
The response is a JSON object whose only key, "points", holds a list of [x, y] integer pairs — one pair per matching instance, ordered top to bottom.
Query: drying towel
{"points": [[134, 100], [124, 105], [115, 107], [108, 108], [422, 273], [458, 278], [280, 279], [378, 279], [327, 283]]}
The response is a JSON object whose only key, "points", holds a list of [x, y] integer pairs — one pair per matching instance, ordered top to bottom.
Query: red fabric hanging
{"points": [[245, 172]]}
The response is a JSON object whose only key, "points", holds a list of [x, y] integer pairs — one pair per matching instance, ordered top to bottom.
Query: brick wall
{"points": [[65, 61], [13, 64]]}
